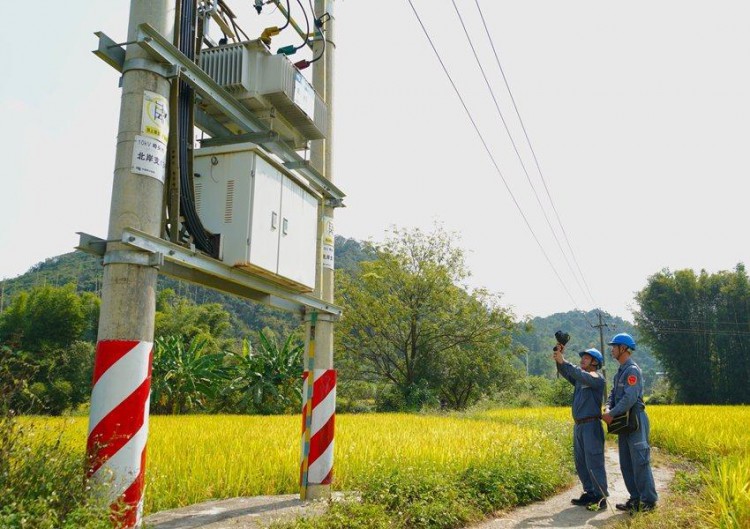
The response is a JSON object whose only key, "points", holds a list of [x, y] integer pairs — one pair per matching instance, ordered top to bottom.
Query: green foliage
{"points": [[179, 317], [47, 318], [408, 323], [699, 327], [185, 378], [266, 379], [38, 480]]}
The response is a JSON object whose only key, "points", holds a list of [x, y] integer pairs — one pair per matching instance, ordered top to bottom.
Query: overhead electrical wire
{"points": [[531, 148], [489, 153], [518, 154]]}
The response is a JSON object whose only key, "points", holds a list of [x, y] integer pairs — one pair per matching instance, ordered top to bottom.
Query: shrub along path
{"points": [[557, 511]]}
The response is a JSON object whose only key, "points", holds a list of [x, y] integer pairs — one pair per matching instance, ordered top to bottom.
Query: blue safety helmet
{"points": [[623, 339], [595, 354]]}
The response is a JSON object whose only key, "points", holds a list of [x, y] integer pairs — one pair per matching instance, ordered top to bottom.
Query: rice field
{"points": [[197, 458]]}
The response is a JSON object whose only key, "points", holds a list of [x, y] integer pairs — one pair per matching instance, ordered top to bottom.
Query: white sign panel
{"points": [[304, 95], [155, 118], [149, 157], [329, 238]]}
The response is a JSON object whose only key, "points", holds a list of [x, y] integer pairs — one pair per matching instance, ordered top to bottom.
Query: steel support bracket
{"points": [[109, 51], [169, 71], [259, 138], [90, 244], [132, 257], [189, 265], [321, 317]]}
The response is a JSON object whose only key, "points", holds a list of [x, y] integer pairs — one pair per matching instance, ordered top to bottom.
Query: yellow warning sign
{"points": [[155, 119]]}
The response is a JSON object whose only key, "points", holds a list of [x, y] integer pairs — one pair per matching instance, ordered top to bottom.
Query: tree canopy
{"points": [[408, 322], [699, 327]]}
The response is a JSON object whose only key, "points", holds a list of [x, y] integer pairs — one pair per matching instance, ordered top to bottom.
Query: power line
{"points": [[515, 148], [531, 148], [489, 152]]}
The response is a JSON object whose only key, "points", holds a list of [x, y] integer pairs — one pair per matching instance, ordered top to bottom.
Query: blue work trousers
{"points": [[588, 451], [635, 462]]}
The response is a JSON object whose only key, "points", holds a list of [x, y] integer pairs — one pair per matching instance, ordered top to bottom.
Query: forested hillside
{"points": [[537, 336]]}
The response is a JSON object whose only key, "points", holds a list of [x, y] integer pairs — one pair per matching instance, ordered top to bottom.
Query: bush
{"points": [[38, 475]]}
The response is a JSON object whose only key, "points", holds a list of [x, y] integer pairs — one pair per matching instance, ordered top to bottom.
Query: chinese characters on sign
{"points": [[150, 148], [149, 157], [328, 242]]}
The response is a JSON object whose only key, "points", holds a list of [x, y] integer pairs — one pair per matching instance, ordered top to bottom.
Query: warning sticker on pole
{"points": [[155, 119], [149, 157], [329, 238]]}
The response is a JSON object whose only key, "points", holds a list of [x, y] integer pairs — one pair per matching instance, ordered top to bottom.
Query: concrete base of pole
{"points": [[318, 492]]}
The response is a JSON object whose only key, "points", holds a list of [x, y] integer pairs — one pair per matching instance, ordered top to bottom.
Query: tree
{"points": [[48, 317], [409, 323], [208, 324], [699, 327], [45, 329], [185, 378], [267, 379]]}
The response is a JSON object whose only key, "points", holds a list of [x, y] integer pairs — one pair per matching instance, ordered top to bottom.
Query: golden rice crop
{"points": [[701, 432], [196, 458]]}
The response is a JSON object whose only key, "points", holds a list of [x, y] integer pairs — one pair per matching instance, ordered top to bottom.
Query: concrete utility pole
{"points": [[321, 158], [118, 420]]}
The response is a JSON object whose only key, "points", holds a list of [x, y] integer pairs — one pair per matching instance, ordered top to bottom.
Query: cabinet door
{"points": [[266, 216], [299, 226]]}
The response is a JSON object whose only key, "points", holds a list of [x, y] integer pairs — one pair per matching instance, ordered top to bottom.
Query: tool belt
{"points": [[588, 419]]}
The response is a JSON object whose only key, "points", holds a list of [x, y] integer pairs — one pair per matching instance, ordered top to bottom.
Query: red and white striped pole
{"points": [[318, 419], [118, 421], [118, 425]]}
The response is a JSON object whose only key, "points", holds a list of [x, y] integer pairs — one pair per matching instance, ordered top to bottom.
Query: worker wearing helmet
{"points": [[588, 434], [634, 448]]}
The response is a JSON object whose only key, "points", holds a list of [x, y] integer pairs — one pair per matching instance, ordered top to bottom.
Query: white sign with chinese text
{"points": [[149, 157], [329, 238]]}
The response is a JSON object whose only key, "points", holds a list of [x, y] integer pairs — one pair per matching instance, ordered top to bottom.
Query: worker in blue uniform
{"points": [[588, 434], [634, 448]]}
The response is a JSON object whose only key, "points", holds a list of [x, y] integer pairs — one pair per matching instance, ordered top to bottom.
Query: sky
{"points": [[637, 112]]}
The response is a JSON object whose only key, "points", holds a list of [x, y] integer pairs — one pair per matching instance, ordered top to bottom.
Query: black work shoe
{"points": [[585, 499], [597, 503], [629, 505], [643, 506]]}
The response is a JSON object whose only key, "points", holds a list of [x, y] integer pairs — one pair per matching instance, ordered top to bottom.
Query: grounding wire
{"points": [[489, 152], [533, 153], [518, 154]]}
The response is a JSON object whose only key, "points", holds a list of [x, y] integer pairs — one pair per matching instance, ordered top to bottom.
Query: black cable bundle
{"points": [[204, 240]]}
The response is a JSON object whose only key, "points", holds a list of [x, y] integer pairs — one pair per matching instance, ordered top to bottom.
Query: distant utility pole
{"points": [[601, 326], [601, 331], [118, 419], [318, 472]]}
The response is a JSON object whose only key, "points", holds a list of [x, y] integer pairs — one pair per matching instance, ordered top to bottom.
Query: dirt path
{"points": [[260, 511], [559, 512]]}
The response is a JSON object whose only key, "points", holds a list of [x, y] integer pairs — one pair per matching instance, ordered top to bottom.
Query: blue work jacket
{"points": [[589, 390], [627, 391]]}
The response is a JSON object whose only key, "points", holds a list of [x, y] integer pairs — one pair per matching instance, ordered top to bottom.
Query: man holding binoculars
{"points": [[588, 434]]}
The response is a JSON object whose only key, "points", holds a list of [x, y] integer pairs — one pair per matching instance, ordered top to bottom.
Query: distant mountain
{"points": [[86, 271], [541, 339]]}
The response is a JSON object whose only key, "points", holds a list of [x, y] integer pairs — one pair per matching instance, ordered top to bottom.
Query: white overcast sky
{"points": [[638, 112]]}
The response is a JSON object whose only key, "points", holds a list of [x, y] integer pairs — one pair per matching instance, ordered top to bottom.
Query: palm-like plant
{"points": [[268, 378], [185, 379]]}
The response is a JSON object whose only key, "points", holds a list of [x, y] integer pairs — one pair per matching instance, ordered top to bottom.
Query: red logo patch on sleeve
{"points": [[632, 379]]}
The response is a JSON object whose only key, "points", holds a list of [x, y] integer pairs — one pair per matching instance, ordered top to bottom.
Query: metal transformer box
{"points": [[266, 215]]}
